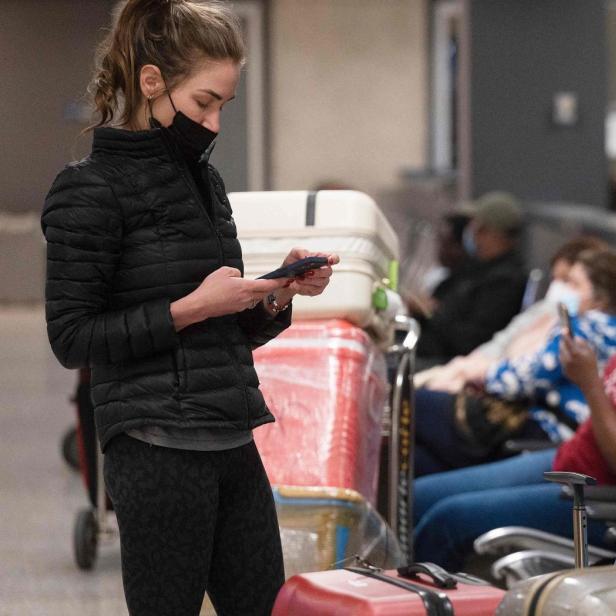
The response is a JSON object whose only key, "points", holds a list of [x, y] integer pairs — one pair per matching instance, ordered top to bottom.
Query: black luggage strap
{"points": [[311, 204], [440, 577], [436, 603]]}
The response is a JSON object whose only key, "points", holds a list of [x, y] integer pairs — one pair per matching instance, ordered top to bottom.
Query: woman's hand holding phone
{"points": [[313, 282], [223, 292], [579, 362]]}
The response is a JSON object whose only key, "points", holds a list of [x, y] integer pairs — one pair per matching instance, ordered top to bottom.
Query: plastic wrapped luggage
{"points": [[346, 222], [326, 384], [324, 528], [365, 591], [581, 592]]}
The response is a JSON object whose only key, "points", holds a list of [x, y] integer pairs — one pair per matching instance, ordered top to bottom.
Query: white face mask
{"points": [[559, 291]]}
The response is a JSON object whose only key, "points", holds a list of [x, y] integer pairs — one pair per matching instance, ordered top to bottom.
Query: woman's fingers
{"points": [[314, 281], [310, 287]]}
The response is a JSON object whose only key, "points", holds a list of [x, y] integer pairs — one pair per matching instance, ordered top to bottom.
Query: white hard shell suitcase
{"points": [[346, 222], [578, 592]]}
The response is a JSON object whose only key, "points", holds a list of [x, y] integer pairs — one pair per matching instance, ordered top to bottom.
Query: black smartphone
{"points": [[293, 270], [565, 318]]}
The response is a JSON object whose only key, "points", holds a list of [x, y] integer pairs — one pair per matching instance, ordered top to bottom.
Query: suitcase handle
{"points": [[576, 481], [438, 575]]}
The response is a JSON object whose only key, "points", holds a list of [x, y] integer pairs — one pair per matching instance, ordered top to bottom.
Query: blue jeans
{"points": [[452, 509]]}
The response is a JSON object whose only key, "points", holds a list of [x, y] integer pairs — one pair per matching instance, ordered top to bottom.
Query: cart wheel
{"points": [[69, 448], [85, 539]]}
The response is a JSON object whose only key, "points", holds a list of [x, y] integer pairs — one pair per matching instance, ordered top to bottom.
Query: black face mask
{"points": [[193, 139]]}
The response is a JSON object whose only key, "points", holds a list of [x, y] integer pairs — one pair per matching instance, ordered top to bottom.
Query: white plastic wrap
{"points": [[325, 528]]}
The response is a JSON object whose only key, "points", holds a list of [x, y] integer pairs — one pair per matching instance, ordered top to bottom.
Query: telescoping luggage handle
{"points": [[576, 481], [435, 603]]}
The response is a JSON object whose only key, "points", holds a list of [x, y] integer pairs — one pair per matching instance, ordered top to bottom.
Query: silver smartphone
{"points": [[565, 318]]}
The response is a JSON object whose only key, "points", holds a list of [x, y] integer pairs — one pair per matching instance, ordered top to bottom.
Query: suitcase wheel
{"points": [[69, 448], [85, 539]]}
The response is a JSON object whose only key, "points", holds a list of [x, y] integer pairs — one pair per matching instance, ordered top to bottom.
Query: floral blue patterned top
{"points": [[557, 404]]}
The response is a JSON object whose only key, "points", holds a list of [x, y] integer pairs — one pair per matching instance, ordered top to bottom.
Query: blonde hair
{"points": [[173, 35]]}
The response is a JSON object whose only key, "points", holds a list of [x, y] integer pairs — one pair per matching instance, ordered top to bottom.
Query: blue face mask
{"points": [[468, 241], [559, 291]]}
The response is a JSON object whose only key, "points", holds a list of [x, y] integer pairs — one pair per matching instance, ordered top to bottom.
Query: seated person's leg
{"points": [[435, 431], [522, 470], [446, 532]]}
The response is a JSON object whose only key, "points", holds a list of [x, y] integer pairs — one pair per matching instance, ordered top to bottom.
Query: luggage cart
{"points": [[401, 433], [92, 524]]}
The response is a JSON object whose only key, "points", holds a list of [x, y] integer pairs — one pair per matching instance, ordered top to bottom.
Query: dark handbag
{"points": [[484, 422]]}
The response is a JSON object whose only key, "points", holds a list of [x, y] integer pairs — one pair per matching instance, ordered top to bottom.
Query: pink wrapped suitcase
{"points": [[325, 382], [367, 592]]}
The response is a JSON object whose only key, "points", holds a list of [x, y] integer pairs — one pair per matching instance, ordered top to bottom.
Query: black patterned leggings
{"points": [[192, 521]]}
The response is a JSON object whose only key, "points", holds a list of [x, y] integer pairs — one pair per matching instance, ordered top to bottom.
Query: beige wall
{"points": [[349, 91]]}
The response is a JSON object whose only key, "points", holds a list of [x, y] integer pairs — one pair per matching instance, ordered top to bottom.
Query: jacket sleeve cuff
{"points": [[261, 326], [152, 329]]}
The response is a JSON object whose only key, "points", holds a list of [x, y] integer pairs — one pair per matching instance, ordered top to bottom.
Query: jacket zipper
{"points": [[185, 173], [176, 378]]}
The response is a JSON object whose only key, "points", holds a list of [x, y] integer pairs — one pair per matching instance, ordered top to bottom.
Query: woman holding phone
{"points": [[145, 286]]}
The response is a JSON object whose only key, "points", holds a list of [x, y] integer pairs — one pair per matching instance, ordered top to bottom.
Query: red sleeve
{"points": [[609, 379], [581, 454]]}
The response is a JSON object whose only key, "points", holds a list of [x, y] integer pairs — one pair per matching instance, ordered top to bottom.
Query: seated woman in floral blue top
{"points": [[556, 405]]}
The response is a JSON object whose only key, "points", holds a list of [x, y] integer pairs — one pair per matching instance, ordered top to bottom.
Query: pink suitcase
{"points": [[326, 384], [363, 591]]}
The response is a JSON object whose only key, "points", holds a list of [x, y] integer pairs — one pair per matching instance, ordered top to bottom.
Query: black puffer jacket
{"points": [[128, 233]]}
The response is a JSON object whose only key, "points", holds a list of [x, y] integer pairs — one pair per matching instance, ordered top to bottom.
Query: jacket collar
{"points": [[135, 144]]}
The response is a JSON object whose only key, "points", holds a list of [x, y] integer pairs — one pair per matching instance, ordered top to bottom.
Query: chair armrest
{"points": [[514, 446], [604, 494]]}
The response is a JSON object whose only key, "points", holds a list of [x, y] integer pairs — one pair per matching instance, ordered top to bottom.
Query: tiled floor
{"points": [[39, 494]]}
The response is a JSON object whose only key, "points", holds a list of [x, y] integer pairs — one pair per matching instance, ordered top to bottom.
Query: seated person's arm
{"points": [[580, 365], [452, 376]]}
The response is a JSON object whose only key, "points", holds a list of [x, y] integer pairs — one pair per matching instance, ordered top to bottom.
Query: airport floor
{"points": [[39, 494]]}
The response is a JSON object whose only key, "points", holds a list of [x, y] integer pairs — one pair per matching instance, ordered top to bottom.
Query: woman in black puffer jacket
{"points": [[145, 286]]}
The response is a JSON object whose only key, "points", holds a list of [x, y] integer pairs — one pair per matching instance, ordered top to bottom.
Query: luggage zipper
{"points": [[435, 603]]}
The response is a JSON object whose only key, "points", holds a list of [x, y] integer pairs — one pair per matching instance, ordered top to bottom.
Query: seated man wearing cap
{"points": [[488, 292]]}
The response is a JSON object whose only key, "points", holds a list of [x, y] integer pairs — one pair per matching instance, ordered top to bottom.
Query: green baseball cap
{"points": [[495, 210]]}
